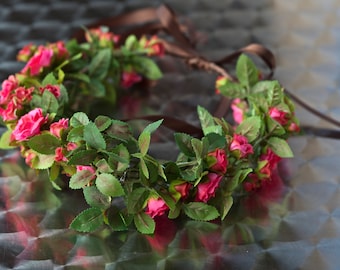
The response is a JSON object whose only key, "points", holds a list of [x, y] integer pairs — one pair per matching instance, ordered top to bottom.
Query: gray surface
{"points": [[303, 231]]}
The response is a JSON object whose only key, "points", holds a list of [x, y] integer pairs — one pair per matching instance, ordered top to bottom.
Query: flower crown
{"points": [[46, 108]]}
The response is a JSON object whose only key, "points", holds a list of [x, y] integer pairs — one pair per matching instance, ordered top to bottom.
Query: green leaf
{"points": [[131, 42], [100, 63], [147, 67], [246, 71], [78, 76], [49, 79], [97, 88], [233, 90], [270, 90], [49, 102], [79, 119], [206, 119], [102, 122], [153, 126], [274, 127], [250, 128], [119, 130], [76, 134], [93, 137], [5, 140], [183, 141], [216, 141], [144, 142], [44, 143], [197, 145], [280, 147], [83, 157], [119, 158], [42, 162], [103, 166], [143, 168], [53, 172], [192, 173], [80, 179], [237, 179], [109, 185], [95, 198], [136, 200], [226, 204], [200, 211], [117, 220], [88, 221], [144, 223]]}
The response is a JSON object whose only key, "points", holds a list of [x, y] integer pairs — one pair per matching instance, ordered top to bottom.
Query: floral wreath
{"points": [[46, 110]]}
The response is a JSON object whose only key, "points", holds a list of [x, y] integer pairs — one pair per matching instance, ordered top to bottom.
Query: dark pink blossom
{"points": [[155, 46], [42, 58], [129, 78], [8, 86], [54, 89], [23, 94], [238, 106], [9, 113], [278, 115], [29, 125], [57, 127], [241, 146], [59, 156], [220, 161], [183, 189], [207, 189], [156, 207]]}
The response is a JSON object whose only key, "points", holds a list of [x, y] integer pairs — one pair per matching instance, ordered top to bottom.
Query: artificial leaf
{"points": [[100, 63], [147, 67], [246, 71], [49, 79], [97, 88], [232, 90], [49, 102], [79, 119], [206, 119], [102, 122], [153, 126], [274, 127], [250, 128], [119, 130], [76, 134], [93, 137], [5, 140], [183, 141], [144, 142], [44, 144], [197, 145], [280, 147], [83, 157], [119, 158], [42, 162], [103, 166], [143, 168], [53, 172], [80, 179], [109, 185], [95, 198], [136, 200], [226, 204], [200, 211], [117, 220], [88, 221], [144, 223]]}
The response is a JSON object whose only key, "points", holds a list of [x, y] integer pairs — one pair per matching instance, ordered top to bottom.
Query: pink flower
{"points": [[156, 47], [26, 52], [62, 52], [42, 58], [129, 78], [7, 87], [54, 89], [23, 94], [238, 106], [9, 113], [278, 115], [29, 125], [57, 127], [294, 127], [241, 145], [71, 146], [29, 156], [59, 156], [271, 157], [220, 161], [183, 189], [206, 190], [156, 207]]}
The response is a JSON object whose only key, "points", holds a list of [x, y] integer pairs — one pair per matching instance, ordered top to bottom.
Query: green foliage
{"points": [[246, 71], [250, 128], [44, 144], [280, 147], [109, 185], [200, 211], [88, 221]]}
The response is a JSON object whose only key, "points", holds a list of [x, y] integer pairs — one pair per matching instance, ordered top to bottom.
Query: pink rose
{"points": [[156, 47], [26, 52], [62, 52], [42, 58], [129, 78], [7, 87], [54, 89], [23, 94], [238, 106], [9, 113], [278, 115], [29, 125], [57, 127], [294, 127], [241, 145], [71, 146], [29, 156], [59, 156], [271, 157], [221, 162], [183, 189], [206, 190], [156, 207]]}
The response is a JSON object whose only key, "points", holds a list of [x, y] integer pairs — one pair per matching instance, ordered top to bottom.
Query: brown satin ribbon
{"points": [[163, 19]]}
